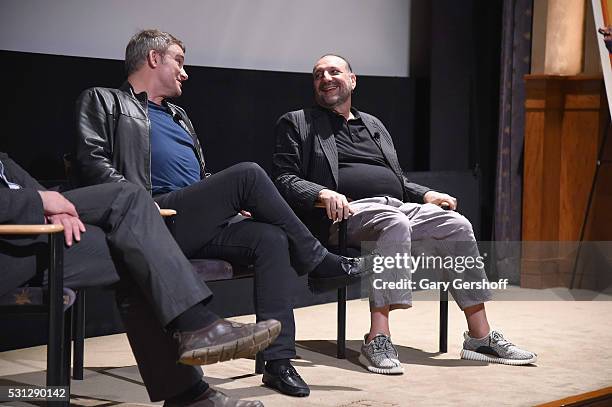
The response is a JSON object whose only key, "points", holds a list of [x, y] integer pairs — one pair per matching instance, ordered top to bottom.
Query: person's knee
{"points": [[249, 167], [250, 172], [131, 189], [135, 193], [375, 222], [461, 224], [399, 225]]}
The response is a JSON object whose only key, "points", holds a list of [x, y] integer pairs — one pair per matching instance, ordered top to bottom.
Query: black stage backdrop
{"points": [[233, 110], [443, 117]]}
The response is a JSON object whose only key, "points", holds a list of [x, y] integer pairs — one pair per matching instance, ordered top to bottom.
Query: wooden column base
{"points": [[565, 120]]}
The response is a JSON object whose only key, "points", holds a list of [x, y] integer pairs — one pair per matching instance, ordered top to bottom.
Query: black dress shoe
{"points": [[352, 270], [224, 340], [287, 381], [215, 398]]}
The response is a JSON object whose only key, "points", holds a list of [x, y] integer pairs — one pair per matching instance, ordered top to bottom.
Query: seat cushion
{"points": [[212, 269], [215, 269]]}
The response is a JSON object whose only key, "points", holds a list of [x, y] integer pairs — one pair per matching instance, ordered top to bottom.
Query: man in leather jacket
{"points": [[134, 134]]}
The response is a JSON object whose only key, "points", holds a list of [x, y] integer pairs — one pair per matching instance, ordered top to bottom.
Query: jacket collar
{"points": [[143, 98]]}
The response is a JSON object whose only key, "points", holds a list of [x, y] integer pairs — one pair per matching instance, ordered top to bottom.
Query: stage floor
{"points": [[572, 338]]}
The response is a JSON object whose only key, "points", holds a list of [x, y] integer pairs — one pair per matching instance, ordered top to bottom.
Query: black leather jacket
{"points": [[113, 136]]}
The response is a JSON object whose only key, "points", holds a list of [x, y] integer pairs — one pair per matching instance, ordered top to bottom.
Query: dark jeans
{"points": [[274, 241]]}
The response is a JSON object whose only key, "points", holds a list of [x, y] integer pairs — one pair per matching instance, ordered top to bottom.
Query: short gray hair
{"points": [[144, 41]]}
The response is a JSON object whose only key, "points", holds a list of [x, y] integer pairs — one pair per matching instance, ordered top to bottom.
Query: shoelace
{"points": [[355, 264], [500, 340], [383, 344]]}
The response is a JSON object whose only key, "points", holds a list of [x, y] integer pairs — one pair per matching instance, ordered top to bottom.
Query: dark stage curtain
{"points": [[515, 63]]}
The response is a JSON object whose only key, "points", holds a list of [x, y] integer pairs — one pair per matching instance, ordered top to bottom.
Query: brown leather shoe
{"points": [[224, 340], [214, 398]]}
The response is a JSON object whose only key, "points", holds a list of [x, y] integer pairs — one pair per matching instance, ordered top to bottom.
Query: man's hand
{"points": [[440, 199], [54, 203], [336, 205], [60, 211], [246, 214], [73, 227]]}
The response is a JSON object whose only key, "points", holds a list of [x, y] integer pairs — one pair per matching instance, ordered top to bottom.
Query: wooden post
{"points": [[565, 120]]}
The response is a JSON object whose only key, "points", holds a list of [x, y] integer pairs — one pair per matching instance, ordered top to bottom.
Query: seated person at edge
{"points": [[607, 36], [134, 134], [334, 154], [159, 294]]}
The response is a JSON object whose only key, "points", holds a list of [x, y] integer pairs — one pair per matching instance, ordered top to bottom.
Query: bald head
{"points": [[346, 62], [334, 82]]}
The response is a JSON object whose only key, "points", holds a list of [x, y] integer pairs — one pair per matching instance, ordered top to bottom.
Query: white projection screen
{"points": [[275, 35]]}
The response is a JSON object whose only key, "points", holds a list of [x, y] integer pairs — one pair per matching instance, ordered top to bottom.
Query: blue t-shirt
{"points": [[174, 164]]}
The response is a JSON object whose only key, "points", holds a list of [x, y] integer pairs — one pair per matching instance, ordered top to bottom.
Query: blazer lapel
{"points": [[325, 136]]}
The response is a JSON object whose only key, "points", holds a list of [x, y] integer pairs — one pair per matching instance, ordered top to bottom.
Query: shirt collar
{"points": [[333, 115]]}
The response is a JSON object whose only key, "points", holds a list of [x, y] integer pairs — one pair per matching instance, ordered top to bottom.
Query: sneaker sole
{"points": [[239, 348], [481, 357], [396, 370]]}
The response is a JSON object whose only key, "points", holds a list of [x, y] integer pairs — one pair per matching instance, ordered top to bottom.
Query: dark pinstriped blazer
{"points": [[305, 161]]}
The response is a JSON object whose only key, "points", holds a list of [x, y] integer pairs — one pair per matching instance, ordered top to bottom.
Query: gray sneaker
{"points": [[495, 349], [380, 356]]}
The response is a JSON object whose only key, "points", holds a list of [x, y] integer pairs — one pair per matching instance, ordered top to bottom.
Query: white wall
{"points": [[279, 35]]}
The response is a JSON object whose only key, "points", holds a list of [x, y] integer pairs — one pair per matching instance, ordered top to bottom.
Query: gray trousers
{"points": [[393, 228]]}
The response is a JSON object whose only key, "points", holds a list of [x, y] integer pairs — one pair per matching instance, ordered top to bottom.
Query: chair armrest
{"points": [[167, 212], [30, 229], [48, 229], [342, 235]]}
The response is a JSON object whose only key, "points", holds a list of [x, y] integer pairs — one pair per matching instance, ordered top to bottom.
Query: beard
{"points": [[175, 88], [330, 101]]}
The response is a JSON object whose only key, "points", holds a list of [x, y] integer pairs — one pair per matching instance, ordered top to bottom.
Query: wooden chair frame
{"points": [[58, 345]]}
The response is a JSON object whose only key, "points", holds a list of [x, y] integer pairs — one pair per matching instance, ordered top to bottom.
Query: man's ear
{"points": [[153, 58], [353, 81]]}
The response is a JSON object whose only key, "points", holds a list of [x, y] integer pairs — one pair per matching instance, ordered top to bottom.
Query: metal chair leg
{"points": [[56, 310], [443, 320], [68, 322], [79, 336], [341, 340], [56, 347], [259, 363]]}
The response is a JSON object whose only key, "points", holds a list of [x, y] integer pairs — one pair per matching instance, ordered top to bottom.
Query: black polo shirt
{"points": [[363, 171]]}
